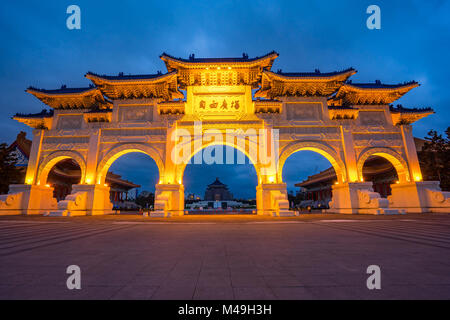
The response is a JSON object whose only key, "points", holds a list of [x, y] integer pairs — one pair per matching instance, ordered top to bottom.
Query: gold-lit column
{"points": [[411, 153], [35, 154], [349, 154], [92, 157]]}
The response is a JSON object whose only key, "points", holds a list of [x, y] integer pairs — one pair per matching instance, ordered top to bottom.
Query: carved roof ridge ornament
{"points": [[173, 63], [315, 76], [157, 77], [62, 91]]}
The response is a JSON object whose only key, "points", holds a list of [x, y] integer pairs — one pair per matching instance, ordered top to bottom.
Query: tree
{"points": [[435, 158], [9, 172]]}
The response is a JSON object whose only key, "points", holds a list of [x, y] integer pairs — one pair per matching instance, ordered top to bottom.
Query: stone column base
{"points": [[419, 197], [358, 198], [27, 199], [85, 199], [169, 200], [272, 200]]}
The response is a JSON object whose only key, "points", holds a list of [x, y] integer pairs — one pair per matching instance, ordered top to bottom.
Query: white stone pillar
{"points": [[411, 153], [35, 154], [349, 154], [92, 157]]}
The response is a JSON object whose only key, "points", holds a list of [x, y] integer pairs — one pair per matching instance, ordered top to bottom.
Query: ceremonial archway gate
{"points": [[201, 103]]}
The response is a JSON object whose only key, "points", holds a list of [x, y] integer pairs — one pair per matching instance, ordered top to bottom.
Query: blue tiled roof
{"points": [[244, 58], [313, 74], [122, 76], [379, 85], [62, 90], [400, 108], [43, 114]]}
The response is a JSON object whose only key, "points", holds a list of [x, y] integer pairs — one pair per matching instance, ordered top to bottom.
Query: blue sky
{"points": [[128, 36]]}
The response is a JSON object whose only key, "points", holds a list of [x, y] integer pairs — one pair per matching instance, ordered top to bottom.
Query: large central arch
{"points": [[195, 149]]}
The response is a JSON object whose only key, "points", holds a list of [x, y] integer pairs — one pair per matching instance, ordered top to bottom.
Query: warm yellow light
{"points": [[218, 68], [229, 68], [417, 178], [271, 179], [29, 180], [88, 180], [362, 180], [336, 182], [397, 182], [105, 184], [47, 185]]}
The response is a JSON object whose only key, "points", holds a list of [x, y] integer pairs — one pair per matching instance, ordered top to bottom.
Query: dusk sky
{"points": [[128, 36]]}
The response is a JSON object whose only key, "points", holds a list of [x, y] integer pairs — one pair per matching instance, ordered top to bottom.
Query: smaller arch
{"points": [[318, 147], [115, 152], [53, 158], [400, 165]]}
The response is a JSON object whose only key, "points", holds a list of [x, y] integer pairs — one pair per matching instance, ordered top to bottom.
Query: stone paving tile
{"points": [[247, 280], [214, 281], [282, 281], [135, 292], [185, 292], [214, 293], [253, 293], [293, 293]]}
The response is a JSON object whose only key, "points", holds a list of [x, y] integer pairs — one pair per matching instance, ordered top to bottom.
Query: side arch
{"points": [[319, 147], [119, 150], [53, 158], [399, 163]]}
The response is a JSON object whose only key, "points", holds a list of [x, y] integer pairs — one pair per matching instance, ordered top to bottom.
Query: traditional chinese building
{"points": [[275, 113], [217, 191]]}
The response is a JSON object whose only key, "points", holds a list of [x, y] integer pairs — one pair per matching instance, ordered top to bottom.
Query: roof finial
{"points": [[244, 55], [192, 56]]}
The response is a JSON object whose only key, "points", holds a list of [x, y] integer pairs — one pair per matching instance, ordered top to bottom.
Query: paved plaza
{"points": [[226, 257]]}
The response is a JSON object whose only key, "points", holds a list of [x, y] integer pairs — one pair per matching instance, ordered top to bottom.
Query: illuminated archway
{"points": [[320, 148], [116, 152], [393, 157], [52, 159], [181, 167], [241, 177]]}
